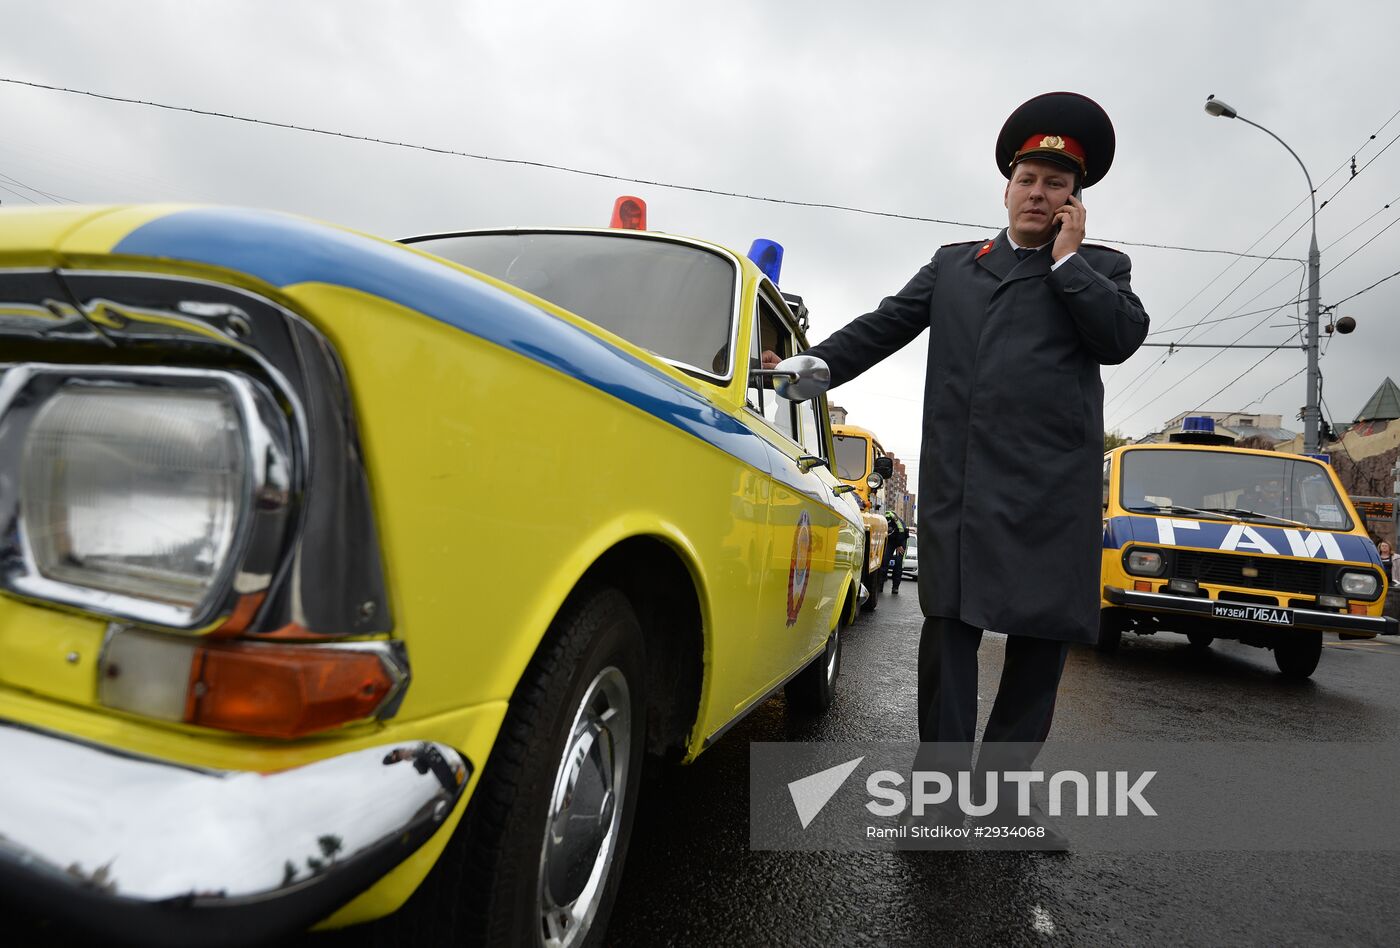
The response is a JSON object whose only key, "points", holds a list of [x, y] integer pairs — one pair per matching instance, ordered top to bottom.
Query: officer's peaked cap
{"points": [[1065, 128]]}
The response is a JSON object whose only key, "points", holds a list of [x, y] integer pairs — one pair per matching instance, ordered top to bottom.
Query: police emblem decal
{"points": [[800, 570]]}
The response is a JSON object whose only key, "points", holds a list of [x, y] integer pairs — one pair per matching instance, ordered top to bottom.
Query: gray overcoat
{"points": [[1011, 465]]}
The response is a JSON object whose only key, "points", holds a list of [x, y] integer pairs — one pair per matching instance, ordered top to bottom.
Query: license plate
{"points": [[1269, 615]]}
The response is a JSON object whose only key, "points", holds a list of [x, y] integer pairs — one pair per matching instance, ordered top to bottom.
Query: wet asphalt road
{"points": [[692, 880]]}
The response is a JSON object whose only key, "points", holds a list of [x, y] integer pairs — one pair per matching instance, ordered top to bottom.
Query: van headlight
{"points": [[136, 491], [1144, 563], [1357, 585]]}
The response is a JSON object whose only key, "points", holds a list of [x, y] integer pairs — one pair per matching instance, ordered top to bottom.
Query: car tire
{"points": [[1110, 631], [1200, 641], [1297, 656], [813, 689], [553, 812]]}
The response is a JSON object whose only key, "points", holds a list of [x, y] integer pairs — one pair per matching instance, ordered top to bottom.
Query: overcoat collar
{"points": [[1002, 262]]}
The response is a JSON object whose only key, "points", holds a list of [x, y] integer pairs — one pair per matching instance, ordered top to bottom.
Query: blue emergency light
{"points": [[768, 255], [1198, 429], [1324, 458]]}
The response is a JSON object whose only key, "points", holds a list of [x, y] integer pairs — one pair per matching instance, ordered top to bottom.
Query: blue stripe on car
{"points": [[285, 251], [1210, 535]]}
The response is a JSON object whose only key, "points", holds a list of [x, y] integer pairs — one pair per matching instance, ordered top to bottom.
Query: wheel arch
{"points": [[661, 586]]}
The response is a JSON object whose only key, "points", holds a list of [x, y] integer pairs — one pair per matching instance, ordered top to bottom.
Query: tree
{"points": [[1112, 439]]}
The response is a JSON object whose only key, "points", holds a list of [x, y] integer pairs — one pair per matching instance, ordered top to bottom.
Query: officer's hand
{"points": [[1070, 220], [770, 359]]}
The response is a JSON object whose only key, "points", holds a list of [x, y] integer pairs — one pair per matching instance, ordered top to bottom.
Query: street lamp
{"points": [[1310, 412]]}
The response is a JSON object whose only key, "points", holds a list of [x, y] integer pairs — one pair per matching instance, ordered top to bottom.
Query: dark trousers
{"points": [[894, 570], [1025, 701]]}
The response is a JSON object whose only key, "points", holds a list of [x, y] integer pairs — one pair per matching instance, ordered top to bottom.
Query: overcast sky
{"points": [[891, 107]]}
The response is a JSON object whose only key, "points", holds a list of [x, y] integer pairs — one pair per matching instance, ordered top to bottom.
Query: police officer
{"points": [[1011, 460], [895, 539]]}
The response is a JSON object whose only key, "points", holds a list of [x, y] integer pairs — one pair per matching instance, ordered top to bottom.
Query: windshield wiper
{"points": [[1209, 512], [1256, 515]]}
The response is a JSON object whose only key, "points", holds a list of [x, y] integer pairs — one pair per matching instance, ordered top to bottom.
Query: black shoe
{"points": [[894, 591]]}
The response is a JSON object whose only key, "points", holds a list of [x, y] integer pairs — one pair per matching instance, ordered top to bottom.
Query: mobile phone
{"points": [[1074, 194]]}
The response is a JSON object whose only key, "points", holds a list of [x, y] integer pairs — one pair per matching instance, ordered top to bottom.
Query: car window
{"points": [[673, 299], [775, 336], [810, 428]]}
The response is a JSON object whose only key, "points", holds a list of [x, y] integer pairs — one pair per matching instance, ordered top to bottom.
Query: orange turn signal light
{"points": [[1142, 585], [1357, 608], [283, 690]]}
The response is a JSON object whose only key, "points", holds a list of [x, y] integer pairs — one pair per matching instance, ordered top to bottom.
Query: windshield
{"points": [[675, 300], [850, 456], [1221, 485]]}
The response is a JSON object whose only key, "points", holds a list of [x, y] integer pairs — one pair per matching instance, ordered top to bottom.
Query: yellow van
{"points": [[1219, 542]]}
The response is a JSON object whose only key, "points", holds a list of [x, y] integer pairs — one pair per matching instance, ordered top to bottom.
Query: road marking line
{"points": [[1041, 921]]}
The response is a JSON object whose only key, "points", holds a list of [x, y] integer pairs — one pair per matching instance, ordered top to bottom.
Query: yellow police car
{"points": [[863, 464], [1221, 542], [273, 651]]}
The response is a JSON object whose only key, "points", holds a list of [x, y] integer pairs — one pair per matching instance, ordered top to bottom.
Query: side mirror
{"points": [[797, 378], [884, 466]]}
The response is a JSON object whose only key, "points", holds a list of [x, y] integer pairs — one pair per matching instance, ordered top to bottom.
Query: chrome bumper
{"points": [[1302, 618], [162, 853]]}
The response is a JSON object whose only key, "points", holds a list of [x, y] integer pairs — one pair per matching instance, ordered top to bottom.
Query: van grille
{"points": [[1291, 576]]}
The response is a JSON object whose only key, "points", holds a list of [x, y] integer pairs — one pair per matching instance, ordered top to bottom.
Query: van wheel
{"points": [[1110, 631], [1200, 641], [1298, 655], [814, 688], [538, 857]]}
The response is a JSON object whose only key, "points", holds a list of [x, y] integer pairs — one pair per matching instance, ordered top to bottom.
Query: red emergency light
{"points": [[629, 213]]}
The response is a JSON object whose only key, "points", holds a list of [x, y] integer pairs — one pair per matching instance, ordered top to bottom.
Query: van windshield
{"points": [[850, 456], [1222, 485]]}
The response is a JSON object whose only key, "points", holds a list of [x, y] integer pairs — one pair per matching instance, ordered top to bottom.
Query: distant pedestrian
{"points": [[895, 541], [1387, 560]]}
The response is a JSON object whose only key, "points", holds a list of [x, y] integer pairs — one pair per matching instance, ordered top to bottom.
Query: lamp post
{"points": [[1310, 411]]}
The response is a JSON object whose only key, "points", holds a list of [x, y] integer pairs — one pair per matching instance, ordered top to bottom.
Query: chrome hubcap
{"points": [[834, 653], [585, 811]]}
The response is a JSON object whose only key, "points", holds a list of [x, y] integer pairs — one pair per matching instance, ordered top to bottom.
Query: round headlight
{"points": [[874, 481], [1359, 585]]}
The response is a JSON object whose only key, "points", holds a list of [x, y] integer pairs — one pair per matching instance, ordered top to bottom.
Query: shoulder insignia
{"points": [[1102, 247], [983, 250]]}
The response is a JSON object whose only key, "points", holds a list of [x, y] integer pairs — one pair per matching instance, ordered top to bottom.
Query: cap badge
{"points": [[1053, 141]]}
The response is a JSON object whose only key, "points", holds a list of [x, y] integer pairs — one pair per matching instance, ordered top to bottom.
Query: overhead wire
{"points": [[551, 166], [58, 198], [1148, 372]]}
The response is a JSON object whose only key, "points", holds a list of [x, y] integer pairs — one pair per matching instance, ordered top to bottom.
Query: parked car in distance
{"points": [[910, 569]]}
